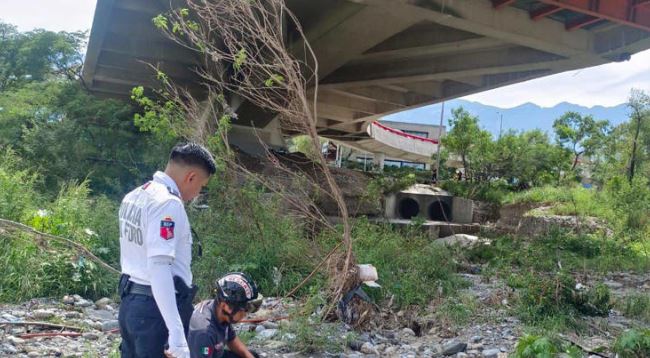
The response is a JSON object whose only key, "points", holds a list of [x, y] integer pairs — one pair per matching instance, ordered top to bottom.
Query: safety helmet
{"points": [[239, 291]]}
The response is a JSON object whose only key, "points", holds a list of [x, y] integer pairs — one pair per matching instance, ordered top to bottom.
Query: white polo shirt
{"points": [[153, 222]]}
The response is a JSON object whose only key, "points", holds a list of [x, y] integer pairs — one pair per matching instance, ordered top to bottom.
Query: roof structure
{"points": [[378, 57]]}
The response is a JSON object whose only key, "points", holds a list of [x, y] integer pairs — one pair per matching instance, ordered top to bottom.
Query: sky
{"points": [[605, 85]]}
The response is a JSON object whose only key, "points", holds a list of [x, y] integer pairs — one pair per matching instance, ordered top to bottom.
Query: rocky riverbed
{"points": [[72, 326]]}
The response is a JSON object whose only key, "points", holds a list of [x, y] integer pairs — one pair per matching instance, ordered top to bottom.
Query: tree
{"points": [[38, 55], [639, 104], [48, 118], [465, 135], [583, 135]]}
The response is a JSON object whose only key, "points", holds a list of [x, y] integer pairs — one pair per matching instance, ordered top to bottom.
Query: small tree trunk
{"points": [[634, 142]]}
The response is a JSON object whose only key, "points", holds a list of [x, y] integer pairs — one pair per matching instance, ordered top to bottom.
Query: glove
{"points": [[178, 352]]}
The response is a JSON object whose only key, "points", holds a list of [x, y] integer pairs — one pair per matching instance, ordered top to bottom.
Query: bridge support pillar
{"points": [[378, 161]]}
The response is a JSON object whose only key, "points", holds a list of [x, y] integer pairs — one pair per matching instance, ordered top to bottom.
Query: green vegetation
{"points": [[517, 160], [620, 204], [268, 245], [36, 267], [413, 269], [543, 296], [635, 305], [457, 310], [305, 333], [633, 343], [531, 346]]}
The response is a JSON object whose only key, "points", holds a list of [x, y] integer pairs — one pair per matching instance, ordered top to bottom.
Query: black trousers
{"points": [[143, 330]]}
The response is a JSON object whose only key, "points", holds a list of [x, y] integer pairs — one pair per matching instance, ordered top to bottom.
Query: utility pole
{"points": [[442, 112], [500, 123]]}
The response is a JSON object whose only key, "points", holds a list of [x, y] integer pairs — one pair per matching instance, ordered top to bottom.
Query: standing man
{"points": [[155, 256]]}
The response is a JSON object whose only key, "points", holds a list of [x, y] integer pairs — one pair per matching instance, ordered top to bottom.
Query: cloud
{"points": [[54, 15], [605, 85]]}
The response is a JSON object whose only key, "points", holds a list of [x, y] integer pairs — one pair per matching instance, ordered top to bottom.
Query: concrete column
{"points": [[378, 160]]}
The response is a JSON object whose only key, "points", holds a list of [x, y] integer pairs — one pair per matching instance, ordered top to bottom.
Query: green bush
{"points": [[491, 191], [542, 194], [17, 195], [622, 205], [245, 229], [572, 251], [35, 267], [410, 267], [543, 296], [633, 343], [532, 346]]}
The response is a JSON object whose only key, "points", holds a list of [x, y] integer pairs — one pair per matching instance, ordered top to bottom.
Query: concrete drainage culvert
{"points": [[408, 208], [439, 211]]}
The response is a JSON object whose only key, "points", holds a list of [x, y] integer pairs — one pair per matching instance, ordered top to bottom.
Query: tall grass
{"points": [[35, 267], [411, 268]]}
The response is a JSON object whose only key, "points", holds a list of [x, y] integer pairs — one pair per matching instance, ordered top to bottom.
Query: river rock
{"points": [[103, 302], [83, 303], [43, 314], [110, 325], [270, 325], [408, 332], [267, 333], [91, 336], [453, 347], [8, 348], [368, 348], [491, 353]]}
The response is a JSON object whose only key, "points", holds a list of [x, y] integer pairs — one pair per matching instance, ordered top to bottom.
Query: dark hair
{"points": [[193, 154]]}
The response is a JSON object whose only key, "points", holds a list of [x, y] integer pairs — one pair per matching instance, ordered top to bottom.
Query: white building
{"points": [[395, 144]]}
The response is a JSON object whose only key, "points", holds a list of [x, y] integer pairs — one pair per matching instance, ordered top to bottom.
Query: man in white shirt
{"points": [[155, 256]]}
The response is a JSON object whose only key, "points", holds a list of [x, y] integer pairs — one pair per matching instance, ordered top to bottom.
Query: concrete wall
{"points": [[462, 210]]}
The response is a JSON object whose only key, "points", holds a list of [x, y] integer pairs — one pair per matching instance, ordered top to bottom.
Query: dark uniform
{"points": [[207, 337]]}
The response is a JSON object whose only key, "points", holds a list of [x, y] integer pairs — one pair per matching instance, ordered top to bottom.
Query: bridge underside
{"points": [[383, 56]]}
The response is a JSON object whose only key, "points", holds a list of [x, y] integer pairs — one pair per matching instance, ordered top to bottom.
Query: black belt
{"points": [[138, 289], [145, 290], [183, 292]]}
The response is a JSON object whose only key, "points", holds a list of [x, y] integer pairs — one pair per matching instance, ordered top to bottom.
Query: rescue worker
{"points": [[155, 255], [211, 328]]}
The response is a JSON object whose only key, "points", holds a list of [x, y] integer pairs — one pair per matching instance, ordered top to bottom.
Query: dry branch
{"points": [[42, 324], [50, 334]]}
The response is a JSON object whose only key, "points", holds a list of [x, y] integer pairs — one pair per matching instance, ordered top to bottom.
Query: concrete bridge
{"points": [[378, 57]]}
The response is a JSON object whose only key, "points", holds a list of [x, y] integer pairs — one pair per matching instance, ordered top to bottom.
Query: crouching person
{"points": [[211, 330]]}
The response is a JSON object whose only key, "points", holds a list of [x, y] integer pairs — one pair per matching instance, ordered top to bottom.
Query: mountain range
{"points": [[523, 117]]}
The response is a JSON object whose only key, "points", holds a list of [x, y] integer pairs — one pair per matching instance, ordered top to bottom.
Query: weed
{"points": [[410, 267], [36, 268], [552, 300], [636, 305], [457, 310], [306, 333], [633, 343], [532, 346]]}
